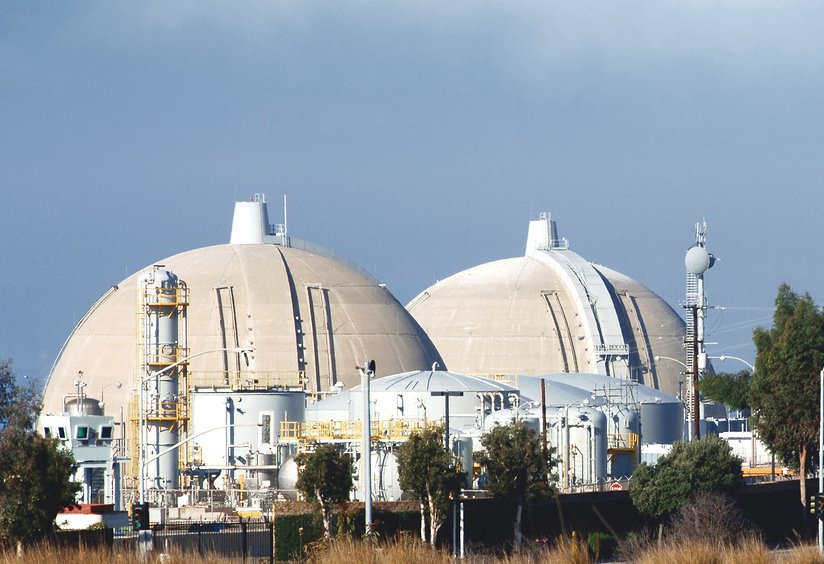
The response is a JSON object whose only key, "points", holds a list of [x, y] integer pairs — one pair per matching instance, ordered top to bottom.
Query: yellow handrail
{"points": [[387, 430]]}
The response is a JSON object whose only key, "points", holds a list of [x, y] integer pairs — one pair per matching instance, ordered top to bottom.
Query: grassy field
{"points": [[406, 552]]}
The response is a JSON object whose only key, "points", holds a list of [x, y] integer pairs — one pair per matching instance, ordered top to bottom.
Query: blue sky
{"points": [[416, 138]]}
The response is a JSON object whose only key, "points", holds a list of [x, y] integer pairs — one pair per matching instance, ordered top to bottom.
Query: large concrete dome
{"points": [[552, 311], [303, 313]]}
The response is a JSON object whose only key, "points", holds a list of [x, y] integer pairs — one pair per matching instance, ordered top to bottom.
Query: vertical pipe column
{"points": [[367, 372], [160, 387]]}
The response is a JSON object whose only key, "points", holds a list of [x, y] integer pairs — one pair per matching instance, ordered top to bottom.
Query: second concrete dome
{"points": [[552, 311]]}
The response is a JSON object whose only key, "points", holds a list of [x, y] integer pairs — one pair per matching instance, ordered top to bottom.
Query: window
{"points": [[266, 428], [47, 432], [61, 432], [82, 432], [106, 432]]}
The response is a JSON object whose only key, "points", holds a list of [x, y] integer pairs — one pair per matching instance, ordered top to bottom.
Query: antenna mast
{"points": [[285, 224], [697, 261]]}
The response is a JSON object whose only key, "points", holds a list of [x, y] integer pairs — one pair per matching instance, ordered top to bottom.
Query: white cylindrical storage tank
{"points": [[425, 394], [84, 406], [504, 417], [662, 422], [623, 423], [231, 427], [579, 435], [462, 449], [267, 476], [385, 476], [288, 478], [386, 484]]}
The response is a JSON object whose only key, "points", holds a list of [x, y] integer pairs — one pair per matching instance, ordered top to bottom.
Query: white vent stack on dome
{"points": [[250, 223], [542, 235]]}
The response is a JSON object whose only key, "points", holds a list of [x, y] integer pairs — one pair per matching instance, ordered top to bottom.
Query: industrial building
{"points": [[219, 364]]}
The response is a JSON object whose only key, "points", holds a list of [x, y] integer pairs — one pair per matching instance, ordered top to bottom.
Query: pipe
{"points": [[500, 397], [565, 430]]}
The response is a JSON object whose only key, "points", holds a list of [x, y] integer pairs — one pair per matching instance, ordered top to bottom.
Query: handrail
{"points": [[386, 430]]}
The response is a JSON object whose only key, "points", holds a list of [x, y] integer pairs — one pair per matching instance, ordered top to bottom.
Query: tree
{"points": [[733, 390], [784, 394], [19, 405], [517, 466], [690, 468], [427, 469], [35, 472], [325, 478], [36, 485], [713, 518]]}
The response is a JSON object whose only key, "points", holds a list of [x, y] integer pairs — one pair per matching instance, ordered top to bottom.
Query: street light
{"points": [[724, 357], [659, 358], [117, 385], [446, 395], [142, 408], [692, 415], [193, 437]]}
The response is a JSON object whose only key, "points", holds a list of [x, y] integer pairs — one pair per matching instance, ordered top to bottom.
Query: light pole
{"points": [[659, 357], [724, 357], [751, 368], [367, 373], [117, 385], [446, 395], [142, 409], [691, 413], [193, 437], [820, 457]]}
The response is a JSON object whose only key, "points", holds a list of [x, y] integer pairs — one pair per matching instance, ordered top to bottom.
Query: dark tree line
{"points": [[35, 472]]}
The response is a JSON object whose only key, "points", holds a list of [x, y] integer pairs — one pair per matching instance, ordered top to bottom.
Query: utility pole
{"points": [[697, 260], [367, 373], [446, 395], [696, 403], [820, 458]]}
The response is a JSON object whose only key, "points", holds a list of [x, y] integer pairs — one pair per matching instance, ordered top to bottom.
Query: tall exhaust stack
{"points": [[250, 223]]}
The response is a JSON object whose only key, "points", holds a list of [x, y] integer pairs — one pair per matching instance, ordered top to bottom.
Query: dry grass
{"points": [[410, 551], [751, 552], [94, 555]]}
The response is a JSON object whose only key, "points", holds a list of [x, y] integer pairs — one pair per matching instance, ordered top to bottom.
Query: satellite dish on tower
{"points": [[698, 260]]}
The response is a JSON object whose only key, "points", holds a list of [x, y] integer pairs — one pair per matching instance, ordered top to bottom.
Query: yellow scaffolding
{"points": [[174, 414], [618, 443]]}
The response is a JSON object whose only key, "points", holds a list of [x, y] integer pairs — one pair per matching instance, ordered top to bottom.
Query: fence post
{"points": [[271, 527], [244, 545]]}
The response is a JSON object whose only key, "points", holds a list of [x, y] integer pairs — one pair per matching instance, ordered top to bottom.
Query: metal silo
{"points": [[161, 404], [662, 421], [232, 428], [580, 439]]}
